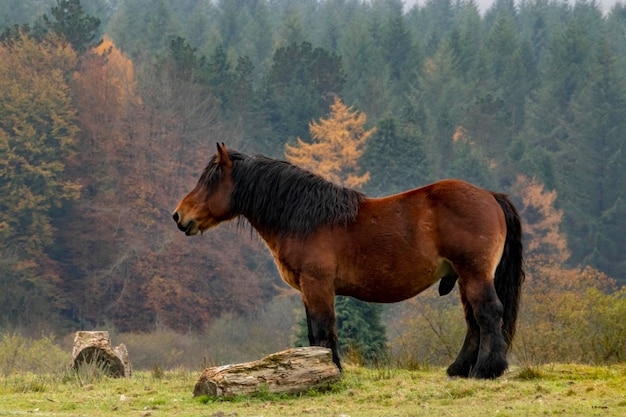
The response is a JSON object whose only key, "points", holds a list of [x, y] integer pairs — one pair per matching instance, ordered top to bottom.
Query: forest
{"points": [[110, 109]]}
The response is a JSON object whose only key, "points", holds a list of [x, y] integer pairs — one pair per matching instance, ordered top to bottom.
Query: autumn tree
{"points": [[37, 137], [338, 143], [141, 145], [542, 220]]}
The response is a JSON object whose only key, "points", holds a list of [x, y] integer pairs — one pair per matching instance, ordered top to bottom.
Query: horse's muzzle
{"points": [[189, 228]]}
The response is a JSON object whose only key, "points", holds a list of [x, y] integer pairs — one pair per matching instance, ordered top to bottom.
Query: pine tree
{"points": [[71, 22], [299, 87], [396, 160], [592, 167]]}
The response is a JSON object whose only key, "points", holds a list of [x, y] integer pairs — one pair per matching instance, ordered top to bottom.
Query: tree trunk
{"points": [[94, 348], [290, 371]]}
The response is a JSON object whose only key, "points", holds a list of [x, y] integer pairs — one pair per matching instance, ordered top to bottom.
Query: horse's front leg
{"points": [[319, 303]]}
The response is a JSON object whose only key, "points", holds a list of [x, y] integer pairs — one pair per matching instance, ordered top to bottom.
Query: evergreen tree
{"points": [[71, 22], [434, 22], [143, 28], [615, 28], [258, 41], [465, 41], [185, 62], [367, 73], [300, 86], [442, 94], [397, 161], [469, 161], [592, 167], [360, 328]]}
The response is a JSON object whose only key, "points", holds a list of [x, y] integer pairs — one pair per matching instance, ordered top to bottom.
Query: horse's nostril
{"points": [[176, 217]]}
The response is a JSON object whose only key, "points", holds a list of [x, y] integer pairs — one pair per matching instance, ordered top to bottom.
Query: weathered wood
{"points": [[95, 348], [290, 371]]}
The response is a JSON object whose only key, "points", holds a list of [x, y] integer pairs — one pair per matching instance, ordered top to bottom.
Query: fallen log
{"points": [[95, 348], [290, 371]]}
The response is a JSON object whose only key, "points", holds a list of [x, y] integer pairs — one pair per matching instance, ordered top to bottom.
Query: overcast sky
{"points": [[484, 4], [606, 4]]}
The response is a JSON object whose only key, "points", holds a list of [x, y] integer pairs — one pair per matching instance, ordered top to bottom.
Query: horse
{"points": [[330, 240]]}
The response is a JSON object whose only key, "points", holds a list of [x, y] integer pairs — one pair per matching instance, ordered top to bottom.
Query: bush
{"points": [[560, 318], [606, 324], [426, 330], [229, 339], [21, 354]]}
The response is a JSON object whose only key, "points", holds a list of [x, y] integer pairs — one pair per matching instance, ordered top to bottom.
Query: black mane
{"points": [[278, 197]]}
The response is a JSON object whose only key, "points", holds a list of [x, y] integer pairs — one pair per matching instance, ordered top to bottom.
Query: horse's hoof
{"points": [[458, 370], [489, 372]]}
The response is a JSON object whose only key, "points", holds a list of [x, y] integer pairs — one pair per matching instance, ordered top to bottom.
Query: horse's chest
{"points": [[314, 257], [288, 268], [287, 274]]}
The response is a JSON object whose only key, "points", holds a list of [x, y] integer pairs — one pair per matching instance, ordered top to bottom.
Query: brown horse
{"points": [[328, 240]]}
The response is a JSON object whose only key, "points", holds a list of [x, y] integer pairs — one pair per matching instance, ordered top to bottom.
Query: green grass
{"points": [[563, 390]]}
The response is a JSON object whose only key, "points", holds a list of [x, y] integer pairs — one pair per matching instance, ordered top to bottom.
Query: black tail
{"points": [[510, 272]]}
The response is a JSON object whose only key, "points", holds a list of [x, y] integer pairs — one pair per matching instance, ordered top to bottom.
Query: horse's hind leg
{"points": [[469, 352], [484, 352]]}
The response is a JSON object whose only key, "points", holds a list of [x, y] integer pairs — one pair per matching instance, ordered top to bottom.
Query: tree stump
{"points": [[95, 348], [290, 371]]}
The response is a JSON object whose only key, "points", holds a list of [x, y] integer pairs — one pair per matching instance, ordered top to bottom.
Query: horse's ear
{"points": [[223, 159]]}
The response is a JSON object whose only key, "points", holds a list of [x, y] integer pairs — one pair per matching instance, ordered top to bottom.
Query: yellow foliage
{"points": [[119, 68], [105, 83], [338, 143]]}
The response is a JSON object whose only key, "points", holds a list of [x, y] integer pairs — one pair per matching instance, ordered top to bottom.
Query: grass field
{"points": [[565, 390]]}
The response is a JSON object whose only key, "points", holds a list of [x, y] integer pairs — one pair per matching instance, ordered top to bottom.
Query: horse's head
{"points": [[208, 204]]}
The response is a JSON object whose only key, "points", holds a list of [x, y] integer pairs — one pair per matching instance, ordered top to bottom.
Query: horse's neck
{"points": [[272, 239]]}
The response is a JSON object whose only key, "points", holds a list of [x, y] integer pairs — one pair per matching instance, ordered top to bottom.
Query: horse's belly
{"points": [[391, 283]]}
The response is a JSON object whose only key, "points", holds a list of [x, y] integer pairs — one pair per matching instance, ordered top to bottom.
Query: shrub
{"points": [[560, 316], [426, 330], [229, 339], [21, 354]]}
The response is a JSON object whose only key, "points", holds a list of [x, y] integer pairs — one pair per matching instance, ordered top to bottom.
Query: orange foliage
{"points": [[119, 66], [105, 90], [460, 135], [338, 143], [542, 220], [126, 260]]}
